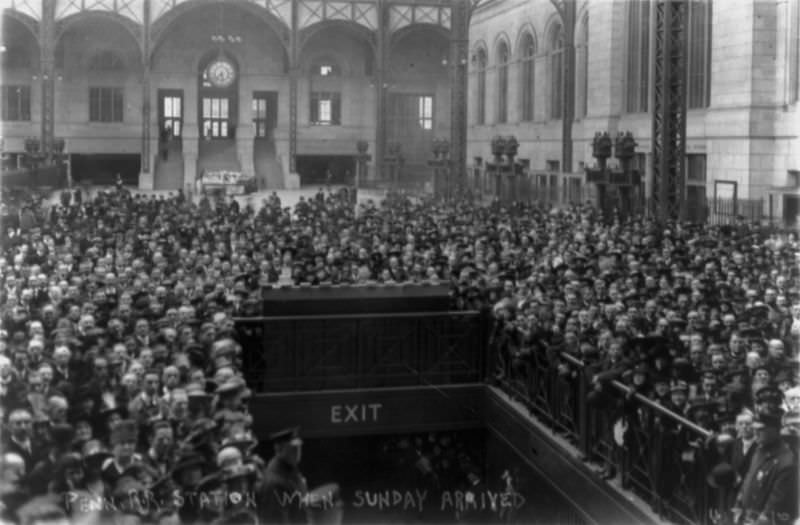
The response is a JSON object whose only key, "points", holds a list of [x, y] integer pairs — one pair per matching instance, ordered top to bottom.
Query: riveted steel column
{"points": [[382, 39], [47, 46], [459, 49], [294, 72], [146, 106], [568, 106], [669, 109]]}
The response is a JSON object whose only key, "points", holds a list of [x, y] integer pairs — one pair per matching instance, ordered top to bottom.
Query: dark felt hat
{"points": [[769, 394], [771, 419], [285, 436], [722, 476]]}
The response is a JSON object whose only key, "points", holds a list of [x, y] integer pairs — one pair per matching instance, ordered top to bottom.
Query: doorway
{"points": [[170, 122], [410, 124], [102, 169], [313, 169], [791, 210]]}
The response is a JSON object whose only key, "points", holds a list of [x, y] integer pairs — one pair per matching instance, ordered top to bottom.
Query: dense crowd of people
{"points": [[704, 321], [120, 371]]}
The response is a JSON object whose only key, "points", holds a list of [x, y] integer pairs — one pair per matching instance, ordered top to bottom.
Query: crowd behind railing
{"points": [[642, 342], [668, 356]]}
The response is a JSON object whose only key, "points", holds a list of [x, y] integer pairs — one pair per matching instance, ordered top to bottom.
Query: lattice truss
{"points": [[31, 8], [132, 9], [281, 9], [362, 13], [401, 16], [669, 120]]}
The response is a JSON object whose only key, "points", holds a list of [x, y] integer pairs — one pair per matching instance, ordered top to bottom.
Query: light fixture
{"points": [[220, 37]]}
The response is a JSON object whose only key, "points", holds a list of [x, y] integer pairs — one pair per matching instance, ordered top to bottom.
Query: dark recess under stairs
{"points": [[268, 170]]}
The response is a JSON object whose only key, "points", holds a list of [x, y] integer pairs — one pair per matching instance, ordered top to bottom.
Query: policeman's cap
{"points": [[288, 435]]}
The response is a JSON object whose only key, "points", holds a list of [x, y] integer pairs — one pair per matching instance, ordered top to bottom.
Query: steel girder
{"points": [[669, 109]]}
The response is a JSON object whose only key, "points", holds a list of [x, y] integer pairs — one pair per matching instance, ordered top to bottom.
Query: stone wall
{"points": [[749, 133]]}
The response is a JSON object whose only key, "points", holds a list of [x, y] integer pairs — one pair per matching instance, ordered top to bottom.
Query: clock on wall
{"points": [[221, 73]]}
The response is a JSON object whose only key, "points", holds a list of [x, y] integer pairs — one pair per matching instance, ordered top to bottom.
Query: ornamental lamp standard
{"points": [[625, 149], [504, 150], [34, 156], [362, 157], [60, 159], [394, 159], [441, 162], [618, 189]]}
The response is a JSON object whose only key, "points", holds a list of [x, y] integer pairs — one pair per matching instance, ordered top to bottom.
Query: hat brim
{"points": [[758, 425]]}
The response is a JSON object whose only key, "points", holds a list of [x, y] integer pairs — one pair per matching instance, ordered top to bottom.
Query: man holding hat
{"points": [[769, 490]]}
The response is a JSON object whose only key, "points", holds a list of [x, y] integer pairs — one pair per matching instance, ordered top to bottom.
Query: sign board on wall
{"points": [[370, 411]]}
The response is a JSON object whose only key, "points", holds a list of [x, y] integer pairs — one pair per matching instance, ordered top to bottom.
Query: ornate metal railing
{"points": [[298, 353], [660, 456]]}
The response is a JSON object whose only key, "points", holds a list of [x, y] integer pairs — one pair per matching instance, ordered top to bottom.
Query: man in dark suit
{"points": [[19, 441], [743, 445], [769, 490]]}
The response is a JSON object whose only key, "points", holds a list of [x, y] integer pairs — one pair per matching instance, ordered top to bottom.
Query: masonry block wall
{"points": [[181, 44], [748, 133]]}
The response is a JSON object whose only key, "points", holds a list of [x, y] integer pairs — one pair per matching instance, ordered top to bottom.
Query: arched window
{"points": [[582, 69], [556, 72], [527, 78], [699, 78], [502, 82], [637, 86], [480, 110]]}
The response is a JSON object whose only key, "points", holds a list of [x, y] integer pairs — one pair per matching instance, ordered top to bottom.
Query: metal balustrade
{"points": [[302, 353], [663, 458]]}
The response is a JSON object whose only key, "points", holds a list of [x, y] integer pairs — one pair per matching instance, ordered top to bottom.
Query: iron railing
{"points": [[548, 189], [299, 353], [660, 456]]}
